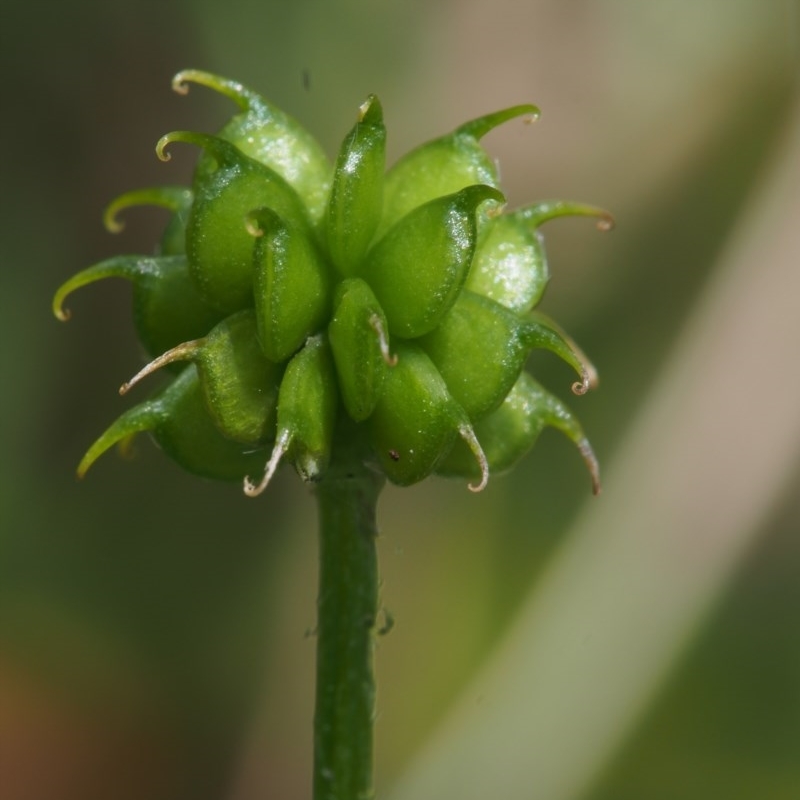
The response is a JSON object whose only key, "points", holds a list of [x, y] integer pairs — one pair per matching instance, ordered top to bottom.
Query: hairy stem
{"points": [[347, 609]]}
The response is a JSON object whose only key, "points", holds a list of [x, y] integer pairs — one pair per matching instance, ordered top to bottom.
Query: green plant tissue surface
{"points": [[141, 607]]}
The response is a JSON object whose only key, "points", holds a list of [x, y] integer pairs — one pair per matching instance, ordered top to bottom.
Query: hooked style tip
{"points": [[180, 83], [161, 145], [110, 221], [606, 222], [252, 225], [61, 314], [383, 340], [181, 352], [589, 379], [468, 435], [590, 459], [252, 489]]}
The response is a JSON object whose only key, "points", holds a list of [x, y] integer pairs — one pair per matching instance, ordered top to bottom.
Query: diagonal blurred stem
{"points": [[711, 453], [347, 607]]}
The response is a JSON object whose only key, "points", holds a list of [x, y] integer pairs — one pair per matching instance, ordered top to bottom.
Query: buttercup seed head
{"points": [[334, 305]]}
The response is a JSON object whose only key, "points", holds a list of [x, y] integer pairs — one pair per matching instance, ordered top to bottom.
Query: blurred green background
{"points": [[155, 630]]}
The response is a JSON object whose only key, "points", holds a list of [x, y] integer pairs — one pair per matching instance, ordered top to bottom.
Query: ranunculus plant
{"points": [[357, 323]]}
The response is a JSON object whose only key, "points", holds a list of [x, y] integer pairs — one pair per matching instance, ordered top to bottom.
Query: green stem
{"points": [[347, 611]]}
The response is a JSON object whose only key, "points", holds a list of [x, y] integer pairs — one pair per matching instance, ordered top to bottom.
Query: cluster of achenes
{"points": [[386, 313]]}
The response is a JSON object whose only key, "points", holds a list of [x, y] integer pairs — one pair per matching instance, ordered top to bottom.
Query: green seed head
{"points": [[337, 306]]}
